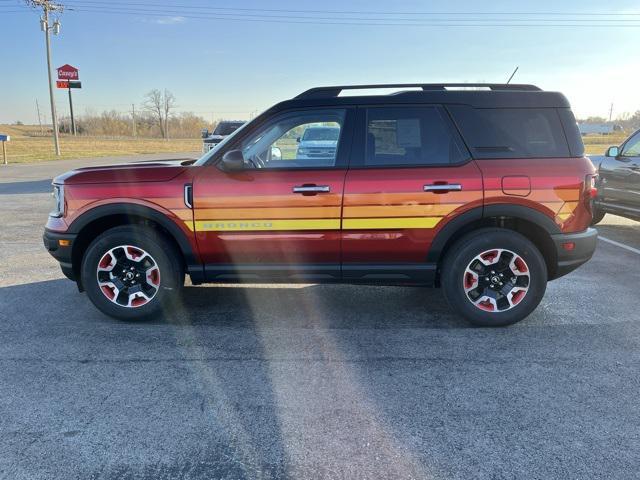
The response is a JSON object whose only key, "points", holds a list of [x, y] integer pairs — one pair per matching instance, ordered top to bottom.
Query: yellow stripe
{"points": [[568, 207], [386, 211], [391, 223], [315, 224], [266, 225]]}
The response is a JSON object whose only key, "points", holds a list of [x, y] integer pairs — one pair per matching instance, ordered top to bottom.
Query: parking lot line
{"points": [[618, 244]]}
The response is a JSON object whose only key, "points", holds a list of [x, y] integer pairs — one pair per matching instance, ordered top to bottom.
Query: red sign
{"points": [[67, 72], [62, 84]]}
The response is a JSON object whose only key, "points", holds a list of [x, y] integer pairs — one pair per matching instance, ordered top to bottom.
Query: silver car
{"points": [[318, 142]]}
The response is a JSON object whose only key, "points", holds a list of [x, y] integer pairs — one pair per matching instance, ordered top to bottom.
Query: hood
{"points": [[318, 143], [159, 171]]}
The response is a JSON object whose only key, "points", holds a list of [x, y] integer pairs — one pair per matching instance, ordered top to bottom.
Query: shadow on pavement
{"points": [[23, 188], [297, 306]]}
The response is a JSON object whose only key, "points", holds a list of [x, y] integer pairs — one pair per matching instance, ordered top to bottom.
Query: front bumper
{"points": [[208, 146], [60, 246], [568, 259]]}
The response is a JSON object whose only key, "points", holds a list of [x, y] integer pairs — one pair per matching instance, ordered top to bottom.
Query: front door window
{"points": [[296, 140]]}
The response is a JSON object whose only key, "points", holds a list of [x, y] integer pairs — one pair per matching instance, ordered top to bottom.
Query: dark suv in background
{"points": [[222, 130], [618, 180]]}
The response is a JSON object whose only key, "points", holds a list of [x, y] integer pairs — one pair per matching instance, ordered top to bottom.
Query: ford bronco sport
{"points": [[483, 191]]}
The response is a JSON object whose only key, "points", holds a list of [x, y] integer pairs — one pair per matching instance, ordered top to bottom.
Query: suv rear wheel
{"points": [[132, 272], [494, 277]]}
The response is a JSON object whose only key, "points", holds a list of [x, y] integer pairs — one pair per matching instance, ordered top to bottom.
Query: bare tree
{"points": [[169, 102], [160, 104]]}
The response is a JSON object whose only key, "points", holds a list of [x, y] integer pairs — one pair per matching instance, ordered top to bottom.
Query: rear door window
{"points": [[511, 132], [407, 136]]}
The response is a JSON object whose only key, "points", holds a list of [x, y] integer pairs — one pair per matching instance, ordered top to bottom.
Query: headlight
{"points": [[303, 151], [58, 197]]}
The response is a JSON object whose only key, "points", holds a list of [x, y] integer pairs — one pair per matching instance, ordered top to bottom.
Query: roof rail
{"points": [[329, 92]]}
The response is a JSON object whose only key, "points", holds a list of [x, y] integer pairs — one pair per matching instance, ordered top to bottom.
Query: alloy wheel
{"points": [[128, 276], [496, 280]]}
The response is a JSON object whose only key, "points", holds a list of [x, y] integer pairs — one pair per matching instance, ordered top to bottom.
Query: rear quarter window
{"points": [[511, 132], [576, 147]]}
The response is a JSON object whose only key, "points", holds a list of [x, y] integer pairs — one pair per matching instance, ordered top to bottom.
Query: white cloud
{"points": [[169, 20]]}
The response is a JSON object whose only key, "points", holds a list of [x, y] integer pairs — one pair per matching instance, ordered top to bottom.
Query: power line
{"points": [[209, 7], [309, 17], [354, 19], [364, 22]]}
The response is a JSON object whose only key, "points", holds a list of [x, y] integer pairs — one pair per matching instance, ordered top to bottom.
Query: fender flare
{"points": [[139, 211], [476, 214]]}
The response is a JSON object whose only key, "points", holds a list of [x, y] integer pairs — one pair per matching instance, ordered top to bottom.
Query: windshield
{"points": [[227, 128], [321, 134]]}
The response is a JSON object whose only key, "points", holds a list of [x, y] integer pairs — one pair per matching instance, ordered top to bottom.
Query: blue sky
{"points": [[227, 69]]}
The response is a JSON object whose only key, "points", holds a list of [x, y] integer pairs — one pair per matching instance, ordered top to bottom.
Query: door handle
{"points": [[443, 187], [311, 189]]}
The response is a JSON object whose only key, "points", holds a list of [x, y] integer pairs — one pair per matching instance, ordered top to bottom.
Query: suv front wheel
{"points": [[132, 272], [494, 277]]}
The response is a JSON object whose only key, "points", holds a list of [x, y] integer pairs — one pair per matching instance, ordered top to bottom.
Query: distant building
{"points": [[598, 128]]}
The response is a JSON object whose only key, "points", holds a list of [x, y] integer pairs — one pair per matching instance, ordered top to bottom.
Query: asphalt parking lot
{"points": [[312, 381]]}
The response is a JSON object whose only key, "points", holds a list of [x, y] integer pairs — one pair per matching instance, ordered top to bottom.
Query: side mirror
{"points": [[204, 132], [298, 139], [612, 152], [276, 153], [232, 161]]}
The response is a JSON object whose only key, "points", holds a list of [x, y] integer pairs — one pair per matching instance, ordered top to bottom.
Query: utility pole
{"points": [[48, 7], [611, 112], [133, 118], [39, 119], [73, 121]]}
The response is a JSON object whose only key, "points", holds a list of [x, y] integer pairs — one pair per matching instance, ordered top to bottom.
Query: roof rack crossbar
{"points": [[329, 92]]}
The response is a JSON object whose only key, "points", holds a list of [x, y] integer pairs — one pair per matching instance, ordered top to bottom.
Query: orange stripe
{"points": [[545, 195], [417, 198], [273, 201], [400, 211], [266, 213]]}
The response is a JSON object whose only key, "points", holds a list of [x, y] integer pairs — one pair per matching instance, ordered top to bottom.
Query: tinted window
{"points": [[511, 132], [410, 136], [296, 140]]}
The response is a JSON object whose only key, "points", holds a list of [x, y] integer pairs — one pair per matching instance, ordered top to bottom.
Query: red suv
{"points": [[484, 191]]}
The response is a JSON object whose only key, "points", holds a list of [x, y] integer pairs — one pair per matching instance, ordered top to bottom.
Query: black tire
{"points": [[598, 215], [463, 252], [165, 256]]}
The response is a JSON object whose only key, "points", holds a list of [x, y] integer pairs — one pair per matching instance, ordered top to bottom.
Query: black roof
{"points": [[480, 95]]}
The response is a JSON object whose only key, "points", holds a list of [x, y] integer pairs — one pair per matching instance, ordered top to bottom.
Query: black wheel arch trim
{"points": [[139, 211], [488, 211]]}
